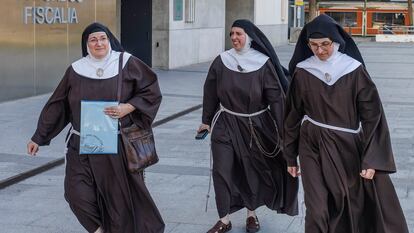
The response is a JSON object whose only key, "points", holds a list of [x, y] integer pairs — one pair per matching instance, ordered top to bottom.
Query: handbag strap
{"points": [[121, 58], [120, 79]]}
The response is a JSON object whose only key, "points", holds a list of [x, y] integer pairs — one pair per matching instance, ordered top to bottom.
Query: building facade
{"points": [[40, 38]]}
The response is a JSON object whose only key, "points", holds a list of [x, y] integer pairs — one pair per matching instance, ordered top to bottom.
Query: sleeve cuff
{"points": [[38, 141], [292, 163]]}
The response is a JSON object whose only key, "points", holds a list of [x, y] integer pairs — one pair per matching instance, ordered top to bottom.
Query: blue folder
{"points": [[98, 131]]}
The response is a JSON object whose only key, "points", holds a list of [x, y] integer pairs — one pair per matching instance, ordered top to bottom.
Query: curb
{"points": [[54, 163]]}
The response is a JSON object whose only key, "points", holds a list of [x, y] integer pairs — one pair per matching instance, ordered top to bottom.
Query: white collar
{"points": [[249, 60], [88, 66], [331, 70]]}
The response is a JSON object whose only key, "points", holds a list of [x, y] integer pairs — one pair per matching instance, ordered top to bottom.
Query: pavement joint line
{"points": [[190, 71], [388, 78], [183, 96], [394, 103], [176, 115], [59, 161], [27, 174]]}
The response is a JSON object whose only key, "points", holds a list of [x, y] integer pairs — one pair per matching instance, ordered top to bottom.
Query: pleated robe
{"points": [[243, 176], [99, 189], [337, 198]]}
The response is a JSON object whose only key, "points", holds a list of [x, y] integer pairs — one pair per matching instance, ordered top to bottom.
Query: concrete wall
{"points": [[236, 9], [270, 12], [271, 17], [160, 33], [277, 33], [198, 41], [180, 43]]}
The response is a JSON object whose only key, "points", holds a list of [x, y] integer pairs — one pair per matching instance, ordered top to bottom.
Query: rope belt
{"points": [[223, 109], [72, 131], [354, 131], [253, 132], [253, 135]]}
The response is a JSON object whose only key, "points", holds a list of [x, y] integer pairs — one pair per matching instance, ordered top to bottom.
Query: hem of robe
{"points": [[278, 210]]}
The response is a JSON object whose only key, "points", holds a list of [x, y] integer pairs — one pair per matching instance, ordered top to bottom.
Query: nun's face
{"points": [[238, 38], [98, 44], [322, 47]]}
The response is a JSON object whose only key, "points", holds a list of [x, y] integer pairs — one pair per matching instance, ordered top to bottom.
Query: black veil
{"points": [[263, 45]]}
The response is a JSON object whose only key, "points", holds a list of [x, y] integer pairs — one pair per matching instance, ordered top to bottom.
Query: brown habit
{"points": [[242, 175], [99, 188], [337, 199]]}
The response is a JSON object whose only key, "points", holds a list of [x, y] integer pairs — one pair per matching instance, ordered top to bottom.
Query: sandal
{"points": [[252, 224], [220, 227]]}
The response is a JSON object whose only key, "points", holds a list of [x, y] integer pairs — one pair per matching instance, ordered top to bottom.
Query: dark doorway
{"points": [[136, 28]]}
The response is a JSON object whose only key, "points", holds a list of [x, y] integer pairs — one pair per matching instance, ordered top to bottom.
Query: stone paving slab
{"points": [[18, 118], [12, 164], [179, 182]]}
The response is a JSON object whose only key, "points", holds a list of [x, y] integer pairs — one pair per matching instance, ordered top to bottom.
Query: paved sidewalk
{"points": [[18, 119], [179, 181]]}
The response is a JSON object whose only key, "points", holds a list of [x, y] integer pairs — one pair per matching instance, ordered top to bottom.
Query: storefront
{"points": [[381, 17]]}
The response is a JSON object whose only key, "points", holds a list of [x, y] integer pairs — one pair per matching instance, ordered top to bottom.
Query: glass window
{"points": [[178, 10], [345, 19], [388, 19]]}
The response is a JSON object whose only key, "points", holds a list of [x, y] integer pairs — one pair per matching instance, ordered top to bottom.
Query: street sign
{"points": [[298, 2]]}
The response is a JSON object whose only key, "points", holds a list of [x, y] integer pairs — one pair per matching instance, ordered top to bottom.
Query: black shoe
{"points": [[252, 224], [220, 227]]}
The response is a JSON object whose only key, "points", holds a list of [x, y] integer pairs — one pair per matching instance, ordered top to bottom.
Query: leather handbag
{"points": [[139, 144]]}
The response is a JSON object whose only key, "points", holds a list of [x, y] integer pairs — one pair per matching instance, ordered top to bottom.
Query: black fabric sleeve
{"points": [[146, 94], [274, 96], [210, 98], [55, 114], [292, 122], [377, 152]]}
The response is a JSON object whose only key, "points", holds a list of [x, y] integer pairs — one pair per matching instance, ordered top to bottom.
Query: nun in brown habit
{"points": [[243, 107], [335, 123], [103, 195]]}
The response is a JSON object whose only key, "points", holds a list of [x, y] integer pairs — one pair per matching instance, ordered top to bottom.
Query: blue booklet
{"points": [[98, 131]]}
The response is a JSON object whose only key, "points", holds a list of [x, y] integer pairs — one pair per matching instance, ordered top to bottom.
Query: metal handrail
{"points": [[396, 29]]}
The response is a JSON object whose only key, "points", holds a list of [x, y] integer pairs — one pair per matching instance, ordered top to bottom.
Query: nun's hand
{"points": [[119, 111], [203, 127], [32, 148], [294, 171], [368, 173]]}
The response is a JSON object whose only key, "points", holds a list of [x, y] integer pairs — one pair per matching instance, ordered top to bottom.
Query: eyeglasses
{"points": [[95, 41], [324, 45]]}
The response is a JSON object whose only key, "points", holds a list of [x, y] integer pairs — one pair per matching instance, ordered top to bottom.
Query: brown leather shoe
{"points": [[252, 224], [220, 227]]}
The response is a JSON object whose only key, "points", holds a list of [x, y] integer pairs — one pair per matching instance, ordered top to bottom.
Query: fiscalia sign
{"points": [[51, 15]]}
